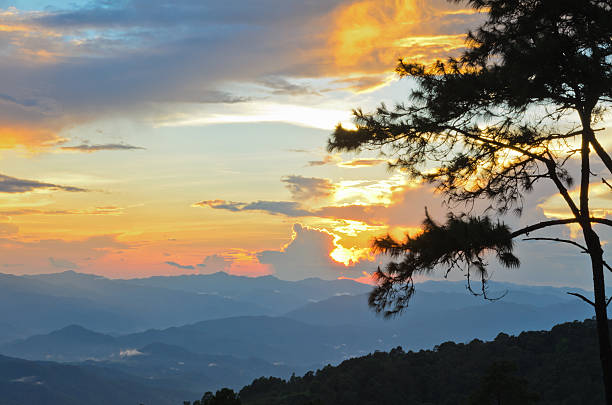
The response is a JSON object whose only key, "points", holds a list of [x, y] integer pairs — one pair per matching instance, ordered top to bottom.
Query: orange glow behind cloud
{"points": [[371, 34], [31, 137], [366, 278]]}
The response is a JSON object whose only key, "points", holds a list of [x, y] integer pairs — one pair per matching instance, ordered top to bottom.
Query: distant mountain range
{"points": [[42, 303], [197, 333]]}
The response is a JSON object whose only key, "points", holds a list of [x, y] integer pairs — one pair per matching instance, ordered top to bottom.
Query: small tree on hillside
{"points": [[492, 125], [224, 396]]}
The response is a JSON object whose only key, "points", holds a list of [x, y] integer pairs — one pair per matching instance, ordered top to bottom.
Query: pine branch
{"points": [[499, 144], [603, 155], [546, 224], [571, 242], [582, 297]]}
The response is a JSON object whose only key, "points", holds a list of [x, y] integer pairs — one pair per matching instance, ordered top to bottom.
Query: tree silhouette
{"points": [[517, 108], [224, 396]]}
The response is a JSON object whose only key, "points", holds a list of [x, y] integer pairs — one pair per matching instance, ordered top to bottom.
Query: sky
{"points": [[164, 137]]}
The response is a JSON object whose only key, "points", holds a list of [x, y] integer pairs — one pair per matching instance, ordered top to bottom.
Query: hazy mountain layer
{"points": [[42, 303], [322, 322], [28, 382]]}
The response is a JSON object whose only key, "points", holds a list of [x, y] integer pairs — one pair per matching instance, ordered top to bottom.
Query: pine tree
{"points": [[493, 124]]}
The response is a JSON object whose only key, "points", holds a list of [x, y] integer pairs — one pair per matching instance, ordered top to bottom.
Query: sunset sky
{"points": [[149, 137]]}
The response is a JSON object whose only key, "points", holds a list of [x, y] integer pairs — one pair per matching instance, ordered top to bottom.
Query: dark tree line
{"points": [[557, 367], [224, 396]]}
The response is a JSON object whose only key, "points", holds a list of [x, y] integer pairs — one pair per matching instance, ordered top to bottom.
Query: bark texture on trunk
{"points": [[596, 253]]}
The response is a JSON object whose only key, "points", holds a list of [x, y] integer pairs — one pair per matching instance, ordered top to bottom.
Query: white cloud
{"points": [[308, 255], [130, 353]]}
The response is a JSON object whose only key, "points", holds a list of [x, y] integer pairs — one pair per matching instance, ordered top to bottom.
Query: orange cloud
{"points": [[370, 35], [30, 137], [366, 162], [366, 278]]}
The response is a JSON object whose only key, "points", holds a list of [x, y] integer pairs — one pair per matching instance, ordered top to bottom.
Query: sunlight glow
{"points": [[371, 33], [446, 42], [311, 117], [367, 192], [350, 256]]}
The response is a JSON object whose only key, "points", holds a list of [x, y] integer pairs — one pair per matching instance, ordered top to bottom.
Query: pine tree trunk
{"points": [[593, 245], [603, 331]]}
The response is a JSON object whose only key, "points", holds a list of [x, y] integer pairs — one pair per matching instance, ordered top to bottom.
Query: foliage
{"points": [[518, 107], [461, 240], [560, 365], [224, 396]]}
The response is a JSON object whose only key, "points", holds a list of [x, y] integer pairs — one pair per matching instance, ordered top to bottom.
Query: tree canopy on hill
{"points": [[548, 367]]}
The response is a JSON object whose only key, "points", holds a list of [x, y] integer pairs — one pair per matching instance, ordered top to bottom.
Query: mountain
{"points": [[525, 294], [279, 295], [38, 304], [149, 305], [29, 307], [435, 314], [319, 333], [274, 339], [72, 343], [230, 351], [560, 366], [169, 367], [173, 367], [29, 382]]}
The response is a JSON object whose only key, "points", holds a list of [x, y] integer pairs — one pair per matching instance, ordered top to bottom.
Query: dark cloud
{"points": [[169, 13], [363, 83], [282, 86], [221, 97], [44, 106], [87, 148], [327, 159], [362, 163], [14, 185], [305, 188], [222, 205], [287, 208], [407, 208], [107, 210], [62, 263], [216, 263], [12, 265], [180, 266]]}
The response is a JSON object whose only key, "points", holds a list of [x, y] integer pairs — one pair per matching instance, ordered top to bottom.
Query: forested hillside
{"points": [[560, 366]]}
